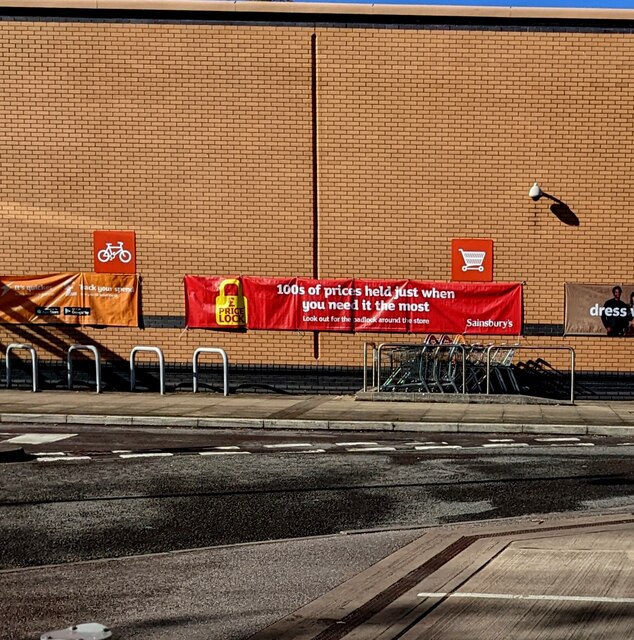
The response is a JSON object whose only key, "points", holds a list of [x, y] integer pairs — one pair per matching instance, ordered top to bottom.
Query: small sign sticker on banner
{"points": [[114, 251], [471, 260]]}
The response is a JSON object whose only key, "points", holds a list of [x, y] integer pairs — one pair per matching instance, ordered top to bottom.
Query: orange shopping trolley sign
{"points": [[472, 260]]}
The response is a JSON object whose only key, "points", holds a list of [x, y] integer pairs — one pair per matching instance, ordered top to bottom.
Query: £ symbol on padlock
{"points": [[231, 310]]}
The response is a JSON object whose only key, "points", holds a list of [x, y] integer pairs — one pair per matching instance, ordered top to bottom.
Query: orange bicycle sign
{"points": [[114, 251]]}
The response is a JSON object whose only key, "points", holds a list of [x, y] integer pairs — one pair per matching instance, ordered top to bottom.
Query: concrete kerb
{"points": [[37, 418], [109, 421], [164, 421], [230, 423], [299, 425], [321, 425], [360, 425], [431, 427], [489, 427], [557, 429], [606, 430]]}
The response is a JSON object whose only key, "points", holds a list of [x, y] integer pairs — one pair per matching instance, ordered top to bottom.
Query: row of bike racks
{"points": [[372, 355], [97, 359]]}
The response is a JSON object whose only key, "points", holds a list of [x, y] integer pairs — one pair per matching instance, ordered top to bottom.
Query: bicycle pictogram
{"points": [[112, 251]]}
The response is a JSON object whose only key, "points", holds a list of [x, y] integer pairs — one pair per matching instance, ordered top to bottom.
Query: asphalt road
{"points": [[98, 440], [65, 511], [63, 515], [223, 593]]}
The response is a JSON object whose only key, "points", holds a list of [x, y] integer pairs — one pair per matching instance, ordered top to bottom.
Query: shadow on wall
{"points": [[564, 213], [42, 338]]}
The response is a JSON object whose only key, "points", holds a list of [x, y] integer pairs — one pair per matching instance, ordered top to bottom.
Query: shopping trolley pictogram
{"points": [[473, 260]]}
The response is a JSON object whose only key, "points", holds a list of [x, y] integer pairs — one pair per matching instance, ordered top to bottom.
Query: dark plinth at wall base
{"points": [[178, 322]]}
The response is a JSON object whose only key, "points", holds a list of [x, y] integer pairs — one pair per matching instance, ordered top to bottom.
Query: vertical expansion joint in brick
{"points": [[315, 159], [315, 163]]}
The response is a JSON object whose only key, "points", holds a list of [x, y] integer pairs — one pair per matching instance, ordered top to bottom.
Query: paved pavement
{"points": [[315, 412], [563, 578]]}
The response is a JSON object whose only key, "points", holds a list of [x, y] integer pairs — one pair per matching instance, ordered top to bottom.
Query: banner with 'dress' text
{"points": [[70, 298], [353, 305], [599, 310]]}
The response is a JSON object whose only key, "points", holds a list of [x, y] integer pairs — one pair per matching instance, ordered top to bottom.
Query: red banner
{"points": [[273, 302], [215, 303], [327, 304], [338, 304]]}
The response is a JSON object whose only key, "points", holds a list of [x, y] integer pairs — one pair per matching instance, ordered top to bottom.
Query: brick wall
{"points": [[199, 137]]}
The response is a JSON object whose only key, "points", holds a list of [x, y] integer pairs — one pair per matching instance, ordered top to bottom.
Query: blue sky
{"points": [[593, 4]]}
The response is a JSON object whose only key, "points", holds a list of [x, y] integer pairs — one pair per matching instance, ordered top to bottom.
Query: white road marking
{"points": [[40, 438], [556, 439], [501, 440], [355, 444], [513, 444], [575, 444], [625, 444], [288, 445], [438, 446], [231, 448], [363, 449], [122, 451], [313, 451], [49, 453], [224, 453], [162, 454], [64, 458], [515, 596]]}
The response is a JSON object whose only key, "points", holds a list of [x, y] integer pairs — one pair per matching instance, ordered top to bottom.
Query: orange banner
{"points": [[70, 298]]}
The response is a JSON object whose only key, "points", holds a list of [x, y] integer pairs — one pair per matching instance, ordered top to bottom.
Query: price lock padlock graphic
{"points": [[231, 309]]}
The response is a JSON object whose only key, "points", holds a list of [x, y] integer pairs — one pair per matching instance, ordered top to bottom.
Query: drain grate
{"points": [[342, 627]]}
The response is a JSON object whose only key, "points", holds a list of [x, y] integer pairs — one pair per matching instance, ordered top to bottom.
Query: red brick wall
{"points": [[199, 138]]}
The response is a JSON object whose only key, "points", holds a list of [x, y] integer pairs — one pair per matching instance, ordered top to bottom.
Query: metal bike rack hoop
{"points": [[367, 345], [158, 351], [69, 363], [225, 366], [34, 368]]}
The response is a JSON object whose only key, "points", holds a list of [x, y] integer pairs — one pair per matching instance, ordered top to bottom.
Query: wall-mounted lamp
{"points": [[535, 192], [560, 209]]}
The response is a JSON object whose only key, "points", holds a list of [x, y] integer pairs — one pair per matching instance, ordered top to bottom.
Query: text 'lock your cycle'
{"points": [[231, 309]]}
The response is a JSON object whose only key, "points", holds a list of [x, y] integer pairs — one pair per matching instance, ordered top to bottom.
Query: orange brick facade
{"points": [[219, 145]]}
